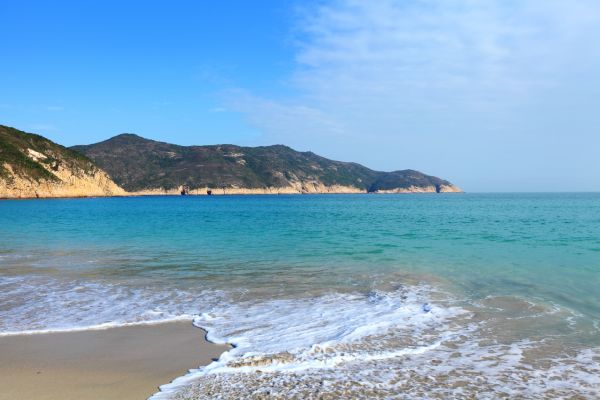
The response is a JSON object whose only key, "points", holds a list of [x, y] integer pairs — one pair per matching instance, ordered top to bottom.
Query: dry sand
{"points": [[118, 363]]}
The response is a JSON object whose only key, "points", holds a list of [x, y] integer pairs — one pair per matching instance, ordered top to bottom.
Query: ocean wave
{"points": [[36, 304], [325, 332], [395, 341], [407, 343]]}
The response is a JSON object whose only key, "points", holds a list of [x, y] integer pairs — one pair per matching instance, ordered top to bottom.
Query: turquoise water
{"points": [[493, 269]]}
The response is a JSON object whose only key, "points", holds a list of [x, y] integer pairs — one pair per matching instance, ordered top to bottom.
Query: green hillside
{"points": [[32, 156], [135, 163]]}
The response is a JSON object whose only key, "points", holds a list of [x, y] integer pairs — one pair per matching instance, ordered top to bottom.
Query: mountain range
{"points": [[33, 166]]}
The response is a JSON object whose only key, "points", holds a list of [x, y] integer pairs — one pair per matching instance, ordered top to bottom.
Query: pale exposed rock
{"points": [[35, 155], [70, 184], [99, 184], [295, 188], [423, 189], [450, 189]]}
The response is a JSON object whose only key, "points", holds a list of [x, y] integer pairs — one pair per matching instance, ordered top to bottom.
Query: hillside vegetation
{"points": [[139, 164], [33, 166]]}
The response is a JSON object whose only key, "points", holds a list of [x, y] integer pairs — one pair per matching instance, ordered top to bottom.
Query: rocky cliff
{"points": [[33, 166]]}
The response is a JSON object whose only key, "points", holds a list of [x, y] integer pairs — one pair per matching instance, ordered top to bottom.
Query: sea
{"points": [[391, 296]]}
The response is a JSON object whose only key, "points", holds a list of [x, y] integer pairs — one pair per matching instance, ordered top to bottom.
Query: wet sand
{"points": [[118, 363]]}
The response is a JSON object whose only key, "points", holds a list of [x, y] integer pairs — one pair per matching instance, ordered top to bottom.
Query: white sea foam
{"points": [[41, 304], [98, 327], [307, 334], [404, 343], [386, 345]]}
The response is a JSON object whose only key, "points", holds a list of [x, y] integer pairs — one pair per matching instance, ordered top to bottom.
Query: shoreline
{"points": [[169, 194], [129, 362]]}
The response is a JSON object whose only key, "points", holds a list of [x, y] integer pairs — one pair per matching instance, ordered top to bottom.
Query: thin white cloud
{"points": [[423, 83], [276, 117]]}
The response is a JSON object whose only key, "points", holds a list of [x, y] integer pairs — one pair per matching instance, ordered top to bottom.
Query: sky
{"points": [[493, 95]]}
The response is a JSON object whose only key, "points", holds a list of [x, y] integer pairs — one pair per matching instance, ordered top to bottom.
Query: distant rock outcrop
{"points": [[33, 166], [146, 166]]}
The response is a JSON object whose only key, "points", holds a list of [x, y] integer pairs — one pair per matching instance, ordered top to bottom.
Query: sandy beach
{"points": [[118, 363]]}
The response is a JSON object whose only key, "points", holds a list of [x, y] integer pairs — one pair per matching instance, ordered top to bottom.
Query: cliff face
{"points": [[33, 166], [145, 166], [411, 181], [296, 189]]}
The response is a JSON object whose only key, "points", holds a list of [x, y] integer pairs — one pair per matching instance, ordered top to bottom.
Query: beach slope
{"points": [[118, 363]]}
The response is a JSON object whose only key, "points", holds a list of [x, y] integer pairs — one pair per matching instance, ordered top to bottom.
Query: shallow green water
{"points": [[541, 245], [120, 260]]}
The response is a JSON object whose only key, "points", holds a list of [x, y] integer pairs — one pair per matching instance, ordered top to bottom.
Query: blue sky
{"points": [[494, 95]]}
